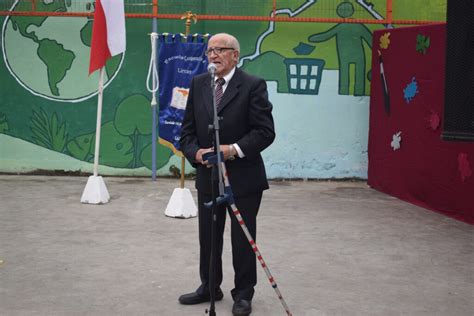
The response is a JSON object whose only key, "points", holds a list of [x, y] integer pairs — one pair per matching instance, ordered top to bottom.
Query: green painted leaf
{"points": [[134, 115], [3, 123], [46, 133], [116, 150], [163, 155]]}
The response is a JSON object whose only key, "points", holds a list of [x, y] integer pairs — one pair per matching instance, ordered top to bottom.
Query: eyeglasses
{"points": [[217, 50]]}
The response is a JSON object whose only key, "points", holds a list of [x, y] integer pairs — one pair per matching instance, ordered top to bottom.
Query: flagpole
{"points": [[108, 40], [99, 120], [96, 191]]}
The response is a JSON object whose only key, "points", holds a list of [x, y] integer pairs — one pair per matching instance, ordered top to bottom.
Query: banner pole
{"points": [[188, 16], [153, 110], [99, 120], [183, 164], [181, 203]]}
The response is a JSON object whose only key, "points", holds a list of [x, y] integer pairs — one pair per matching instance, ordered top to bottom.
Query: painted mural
{"points": [[318, 76]]}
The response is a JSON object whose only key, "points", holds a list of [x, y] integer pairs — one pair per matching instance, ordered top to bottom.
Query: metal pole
{"points": [[389, 12], [153, 107]]}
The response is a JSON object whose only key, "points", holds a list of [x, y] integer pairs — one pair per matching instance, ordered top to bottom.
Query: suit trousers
{"points": [[243, 257]]}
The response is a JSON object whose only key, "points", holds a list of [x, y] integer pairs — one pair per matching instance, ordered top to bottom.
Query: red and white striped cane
{"points": [[253, 244]]}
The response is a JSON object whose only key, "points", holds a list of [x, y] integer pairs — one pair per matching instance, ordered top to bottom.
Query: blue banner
{"points": [[179, 59]]}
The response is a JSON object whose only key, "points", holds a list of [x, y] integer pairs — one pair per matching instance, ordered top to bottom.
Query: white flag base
{"points": [[95, 191], [181, 204]]}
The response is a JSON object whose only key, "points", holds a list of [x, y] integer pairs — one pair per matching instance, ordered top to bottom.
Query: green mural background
{"points": [[49, 100]]}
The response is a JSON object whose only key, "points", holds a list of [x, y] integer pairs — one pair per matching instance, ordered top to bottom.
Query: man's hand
{"points": [[201, 152], [229, 152]]}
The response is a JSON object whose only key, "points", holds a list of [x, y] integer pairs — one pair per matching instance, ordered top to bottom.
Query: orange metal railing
{"points": [[159, 9]]}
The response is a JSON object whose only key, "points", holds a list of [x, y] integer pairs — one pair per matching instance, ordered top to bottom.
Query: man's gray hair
{"points": [[231, 41]]}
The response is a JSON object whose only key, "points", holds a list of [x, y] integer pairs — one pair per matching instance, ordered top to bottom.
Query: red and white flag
{"points": [[108, 32]]}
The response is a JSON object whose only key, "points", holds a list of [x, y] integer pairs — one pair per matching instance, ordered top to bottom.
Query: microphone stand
{"points": [[216, 179]]}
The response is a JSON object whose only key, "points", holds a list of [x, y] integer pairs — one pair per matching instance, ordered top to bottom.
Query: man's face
{"points": [[226, 59]]}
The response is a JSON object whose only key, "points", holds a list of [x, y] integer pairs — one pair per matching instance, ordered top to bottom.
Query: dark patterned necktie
{"points": [[219, 92]]}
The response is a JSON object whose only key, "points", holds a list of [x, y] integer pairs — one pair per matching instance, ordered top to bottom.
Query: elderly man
{"points": [[246, 130]]}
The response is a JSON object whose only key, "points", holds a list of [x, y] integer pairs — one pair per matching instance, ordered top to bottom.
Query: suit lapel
{"points": [[232, 89], [207, 96]]}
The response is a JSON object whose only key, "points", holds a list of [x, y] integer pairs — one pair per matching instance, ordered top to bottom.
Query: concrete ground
{"points": [[334, 248]]}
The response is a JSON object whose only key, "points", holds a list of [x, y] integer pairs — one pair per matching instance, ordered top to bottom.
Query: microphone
{"points": [[211, 68]]}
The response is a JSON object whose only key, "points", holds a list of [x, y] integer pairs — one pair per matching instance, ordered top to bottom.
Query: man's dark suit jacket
{"points": [[247, 121]]}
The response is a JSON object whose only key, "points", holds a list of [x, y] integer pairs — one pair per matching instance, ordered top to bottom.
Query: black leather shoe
{"points": [[195, 298], [242, 308]]}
